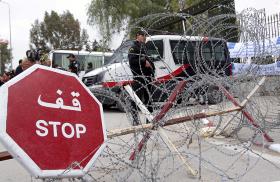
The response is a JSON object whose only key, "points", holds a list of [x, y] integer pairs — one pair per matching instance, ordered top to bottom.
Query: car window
{"points": [[155, 49], [214, 50], [183, 51]]}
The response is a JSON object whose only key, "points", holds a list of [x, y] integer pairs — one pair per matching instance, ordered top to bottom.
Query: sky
{"points": [[25, 12]]}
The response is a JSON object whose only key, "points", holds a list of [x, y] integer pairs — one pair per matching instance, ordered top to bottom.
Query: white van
{"points": [[172, 55], [97, 59]]}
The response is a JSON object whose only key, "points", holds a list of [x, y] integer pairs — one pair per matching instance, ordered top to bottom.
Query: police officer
{"points": [[74, 65], [19, 68], [142, 69]]}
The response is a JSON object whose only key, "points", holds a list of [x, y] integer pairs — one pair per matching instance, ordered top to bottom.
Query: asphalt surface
{"points": [[222, 158]]}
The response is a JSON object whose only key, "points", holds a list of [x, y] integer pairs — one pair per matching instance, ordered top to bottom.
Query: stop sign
{"points": [[51, 122]]}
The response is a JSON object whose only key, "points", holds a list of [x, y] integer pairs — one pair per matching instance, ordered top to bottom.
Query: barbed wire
{"points": [[240, 145]]}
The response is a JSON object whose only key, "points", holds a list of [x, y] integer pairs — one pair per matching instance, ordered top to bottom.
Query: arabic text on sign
{"points": [[59, 103]]}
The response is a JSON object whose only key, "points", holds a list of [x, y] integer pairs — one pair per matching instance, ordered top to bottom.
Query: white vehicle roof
{"points": [[180, 37], [81, 52]]}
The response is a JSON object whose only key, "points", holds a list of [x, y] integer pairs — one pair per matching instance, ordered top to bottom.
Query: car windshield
{"points": [[121, 54], [61, 60]]}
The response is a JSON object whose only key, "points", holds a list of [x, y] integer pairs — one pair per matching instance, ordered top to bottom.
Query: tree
{"points": [[112, 15], [58, 32], [37, 38], [5, 56]]}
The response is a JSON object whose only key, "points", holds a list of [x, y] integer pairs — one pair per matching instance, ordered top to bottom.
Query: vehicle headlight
{"points": [[93, 80]]}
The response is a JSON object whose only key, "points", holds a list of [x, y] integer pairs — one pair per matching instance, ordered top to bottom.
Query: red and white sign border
{"points": [[15, 150]]}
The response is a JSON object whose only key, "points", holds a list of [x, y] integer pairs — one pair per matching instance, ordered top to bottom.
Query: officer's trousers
{"points": [[143, 88]]}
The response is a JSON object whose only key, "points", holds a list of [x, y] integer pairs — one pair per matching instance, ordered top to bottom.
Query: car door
{"points": [[155, 51]]}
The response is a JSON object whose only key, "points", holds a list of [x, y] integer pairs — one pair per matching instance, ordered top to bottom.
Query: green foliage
{"points": [[112, 15], [225, 26], [58, 32], [5, 56]]}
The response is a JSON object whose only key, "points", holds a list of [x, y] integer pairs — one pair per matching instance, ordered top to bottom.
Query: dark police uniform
{"points": [[74, 66], [18, 70], [142, 76], [1, 83]]}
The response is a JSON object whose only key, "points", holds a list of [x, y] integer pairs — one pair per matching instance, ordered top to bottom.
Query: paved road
{"points": [[220, 157]]}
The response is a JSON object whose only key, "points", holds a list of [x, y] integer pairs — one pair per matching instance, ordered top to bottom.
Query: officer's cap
{"points": [[140, 32], [71, 56]]}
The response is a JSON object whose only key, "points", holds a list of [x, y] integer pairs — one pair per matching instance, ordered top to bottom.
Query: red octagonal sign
{"points": [[51, 122]]}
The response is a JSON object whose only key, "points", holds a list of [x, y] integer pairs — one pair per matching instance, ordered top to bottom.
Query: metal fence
{"points": [[256, 25], [272, 25]]}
